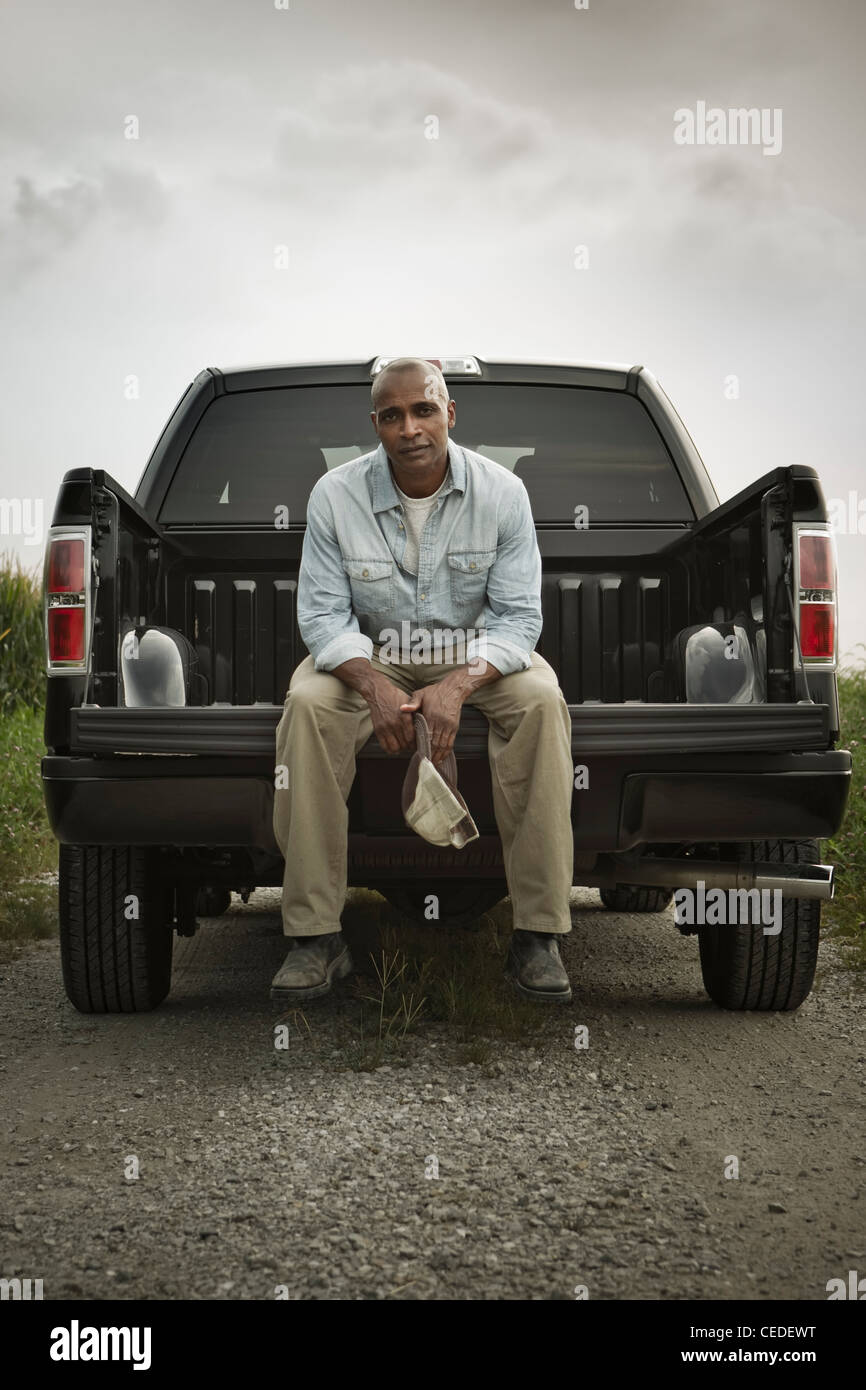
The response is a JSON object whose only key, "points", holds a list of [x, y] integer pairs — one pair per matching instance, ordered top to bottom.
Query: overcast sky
{"points": [[307, 127]]}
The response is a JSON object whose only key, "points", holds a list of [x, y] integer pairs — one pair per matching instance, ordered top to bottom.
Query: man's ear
{"points": [[452, 414]]}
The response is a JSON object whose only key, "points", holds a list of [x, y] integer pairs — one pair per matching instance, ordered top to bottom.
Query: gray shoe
{"points": [[311, 967], [535, 969]]}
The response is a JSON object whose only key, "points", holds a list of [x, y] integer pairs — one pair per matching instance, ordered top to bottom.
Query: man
{"points": [[426, 531]]}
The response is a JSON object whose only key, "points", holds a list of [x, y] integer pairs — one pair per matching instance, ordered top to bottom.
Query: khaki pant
{"points": [[325, 723]]}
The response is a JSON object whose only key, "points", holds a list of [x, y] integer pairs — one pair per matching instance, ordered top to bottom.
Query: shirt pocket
{"points": [[468, 570], [371, 582]]}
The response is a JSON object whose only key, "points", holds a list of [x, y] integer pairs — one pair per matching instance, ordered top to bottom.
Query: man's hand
{"points": [[440, 705], [393, 729]]}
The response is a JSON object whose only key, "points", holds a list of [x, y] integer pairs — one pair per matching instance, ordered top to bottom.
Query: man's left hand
{"points": [[440, 705]]}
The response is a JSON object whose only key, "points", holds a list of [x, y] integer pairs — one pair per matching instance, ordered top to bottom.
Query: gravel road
{"points": [[261, 1169]]}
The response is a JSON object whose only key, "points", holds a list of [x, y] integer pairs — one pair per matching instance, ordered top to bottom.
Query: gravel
{"points": [[265, 1173]]}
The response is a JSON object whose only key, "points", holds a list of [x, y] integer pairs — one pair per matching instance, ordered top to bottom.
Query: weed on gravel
{"points": [[28, 850], [846, 914], [411, 977]]}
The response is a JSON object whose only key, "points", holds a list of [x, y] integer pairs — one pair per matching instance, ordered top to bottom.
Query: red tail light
{"points": [[66, 566], [816, 594], [67, 599], [66, 634]]}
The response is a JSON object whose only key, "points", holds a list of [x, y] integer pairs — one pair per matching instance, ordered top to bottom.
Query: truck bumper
{"points": [[631, 799]]}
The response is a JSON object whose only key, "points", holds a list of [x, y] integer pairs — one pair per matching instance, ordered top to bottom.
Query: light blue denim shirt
{"points": [[479, 565]]}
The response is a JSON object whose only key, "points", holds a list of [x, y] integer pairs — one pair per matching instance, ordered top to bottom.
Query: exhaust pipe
{"points": [[794, 881]]}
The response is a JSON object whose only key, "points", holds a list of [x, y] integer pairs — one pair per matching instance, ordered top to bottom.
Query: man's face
{"points": [[412, 419]]}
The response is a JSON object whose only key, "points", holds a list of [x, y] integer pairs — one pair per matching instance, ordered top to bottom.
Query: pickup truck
{"points": [[695, 644]]}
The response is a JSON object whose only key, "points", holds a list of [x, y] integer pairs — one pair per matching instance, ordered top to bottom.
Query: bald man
{"points": [[421, 534]]}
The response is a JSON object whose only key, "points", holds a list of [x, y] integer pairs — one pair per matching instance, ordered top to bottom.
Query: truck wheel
{"points": [[630, 897], [461, 901], [114, 961], [745, 969]]}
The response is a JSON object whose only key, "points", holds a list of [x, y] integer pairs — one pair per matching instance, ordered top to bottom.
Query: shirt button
{"points": [[400, 524], [472, 564], [365, 573], [423, 595]]}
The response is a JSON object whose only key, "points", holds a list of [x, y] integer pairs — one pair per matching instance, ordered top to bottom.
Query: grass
{"points": [[22, 655], [27, 846], [28, 909], [846, 913], [413, 977]]}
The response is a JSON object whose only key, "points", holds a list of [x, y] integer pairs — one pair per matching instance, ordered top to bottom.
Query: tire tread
{"points": [[633, 897], [111, 964], [743, 969]]}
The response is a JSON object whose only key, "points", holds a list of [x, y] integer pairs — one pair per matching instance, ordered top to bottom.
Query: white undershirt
{"points": [[416, 511]]}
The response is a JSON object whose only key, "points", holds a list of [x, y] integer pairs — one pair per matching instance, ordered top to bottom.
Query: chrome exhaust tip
{"points": [[793, 881]]}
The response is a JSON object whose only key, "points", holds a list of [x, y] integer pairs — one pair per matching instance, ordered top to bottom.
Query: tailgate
{"points": [[234, 730], [657, 774]]}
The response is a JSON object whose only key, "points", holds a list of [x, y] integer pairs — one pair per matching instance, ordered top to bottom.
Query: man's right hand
{"points": [[392, 726]]}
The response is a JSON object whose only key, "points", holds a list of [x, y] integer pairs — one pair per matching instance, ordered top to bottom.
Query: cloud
{"points": [[366, 131], [725, 215], [42, 225]]}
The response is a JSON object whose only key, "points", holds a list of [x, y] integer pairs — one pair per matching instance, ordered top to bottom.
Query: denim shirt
{"points": [[479, 565]]}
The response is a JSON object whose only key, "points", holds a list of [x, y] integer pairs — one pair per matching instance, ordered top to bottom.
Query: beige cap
{"points": [[432, 805]]}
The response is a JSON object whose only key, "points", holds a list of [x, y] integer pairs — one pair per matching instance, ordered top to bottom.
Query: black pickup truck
{"points": [[695, 645]]}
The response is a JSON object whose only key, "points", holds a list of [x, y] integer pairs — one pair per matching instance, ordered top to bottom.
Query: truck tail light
{"points": [[452, 366], [66, 565], [816, 594], [67, 599], [66, 635]]}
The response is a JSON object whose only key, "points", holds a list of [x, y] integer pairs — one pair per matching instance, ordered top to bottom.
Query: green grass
{"points": [[22, 650], [27, 846], [846, 914], [414, 976]]}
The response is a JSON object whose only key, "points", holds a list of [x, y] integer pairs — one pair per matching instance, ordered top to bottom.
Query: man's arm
{"points": [[514, 598], [513, 601], [326, 620], [332, 633], [358, 674], [465, 680], [392, 726]]}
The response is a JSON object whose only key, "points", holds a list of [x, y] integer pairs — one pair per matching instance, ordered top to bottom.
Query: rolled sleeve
{"points": [[513, 602], [326, 620], [343, 648], [505, 656]]}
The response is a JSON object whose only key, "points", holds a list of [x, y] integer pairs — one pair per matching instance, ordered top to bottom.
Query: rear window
{"points": [[257, 451]]}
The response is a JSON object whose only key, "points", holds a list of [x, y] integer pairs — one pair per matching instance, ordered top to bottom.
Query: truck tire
{"points": [[630, 897], [461, 901], [112, 961], [745, 969]]}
